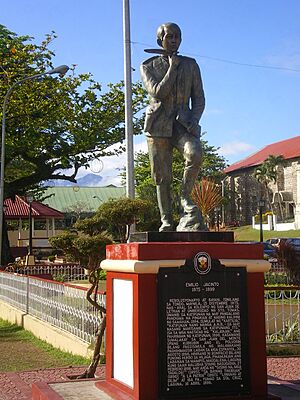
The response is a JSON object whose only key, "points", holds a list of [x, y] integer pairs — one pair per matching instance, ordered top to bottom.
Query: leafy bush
{"points": [[88, 250], [286, 254], [290, 333]]}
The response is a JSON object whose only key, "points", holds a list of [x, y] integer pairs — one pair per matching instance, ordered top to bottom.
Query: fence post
{"points": [[27, 295]]}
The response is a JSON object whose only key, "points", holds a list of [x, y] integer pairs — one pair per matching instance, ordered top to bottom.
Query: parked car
{"points": [[276, 241], [295, 242], [269, 250]]}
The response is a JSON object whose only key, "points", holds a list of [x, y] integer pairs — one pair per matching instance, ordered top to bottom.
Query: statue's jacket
{"points": [[172, 92]]}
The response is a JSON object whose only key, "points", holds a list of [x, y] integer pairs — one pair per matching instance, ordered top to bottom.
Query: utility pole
{"points": [[128, 102]]}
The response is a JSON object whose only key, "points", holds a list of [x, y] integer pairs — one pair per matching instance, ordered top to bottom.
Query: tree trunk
{"points": [[280, 205], [6, 252], [91, 370]]}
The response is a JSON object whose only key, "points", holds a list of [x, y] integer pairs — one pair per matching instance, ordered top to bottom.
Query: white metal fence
{"points": [[61, 272], [62, 305], [66, 307], [282, 311]]}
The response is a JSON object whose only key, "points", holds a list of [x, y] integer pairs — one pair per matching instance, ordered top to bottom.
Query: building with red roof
{"points": [[288, 148], [245, 191], [19, 209], [44, 223]]}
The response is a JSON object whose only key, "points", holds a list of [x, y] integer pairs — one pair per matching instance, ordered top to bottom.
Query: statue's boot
{"points": [[165, 206], [191, 219]]}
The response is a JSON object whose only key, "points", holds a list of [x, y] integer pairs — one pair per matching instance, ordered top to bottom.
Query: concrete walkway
{"points": [[17, 385]]}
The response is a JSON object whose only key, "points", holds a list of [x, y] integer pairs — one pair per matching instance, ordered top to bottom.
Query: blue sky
{"points": [[247, 107]]}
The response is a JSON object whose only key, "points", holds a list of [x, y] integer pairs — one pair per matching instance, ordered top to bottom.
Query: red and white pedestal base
{"points": [[132, 331]]}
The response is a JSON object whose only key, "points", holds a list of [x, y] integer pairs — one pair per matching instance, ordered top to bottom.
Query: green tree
{"points": [[55, 125], [274, 163], [266, 173], [118, 215], [89, 247], [86, 249], [89, 250]]}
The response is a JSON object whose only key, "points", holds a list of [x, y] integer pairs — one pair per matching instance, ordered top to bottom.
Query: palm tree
{"points": [[274, 162], [266, 173]]}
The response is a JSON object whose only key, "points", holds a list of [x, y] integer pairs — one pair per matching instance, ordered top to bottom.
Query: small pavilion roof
{"points": [[289, 148], [20, 209]]}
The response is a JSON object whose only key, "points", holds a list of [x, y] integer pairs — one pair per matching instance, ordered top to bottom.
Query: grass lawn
{"points": [[246, 233], [20, 350]]}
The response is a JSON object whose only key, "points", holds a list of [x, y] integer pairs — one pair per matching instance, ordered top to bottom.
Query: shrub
{"points": [[286, 254]]}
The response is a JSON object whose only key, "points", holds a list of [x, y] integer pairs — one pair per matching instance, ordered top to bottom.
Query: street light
{"points": [[61, 70]]}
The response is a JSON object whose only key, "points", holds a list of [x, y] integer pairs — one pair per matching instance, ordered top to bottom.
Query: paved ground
{"points": [[284, 380], [17, 385]]}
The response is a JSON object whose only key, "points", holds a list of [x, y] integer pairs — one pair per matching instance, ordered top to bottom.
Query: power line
{"points": [[234, 62]]}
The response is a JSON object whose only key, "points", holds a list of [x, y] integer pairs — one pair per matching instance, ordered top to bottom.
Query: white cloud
{"points": [[235, 147], [113, 165]]}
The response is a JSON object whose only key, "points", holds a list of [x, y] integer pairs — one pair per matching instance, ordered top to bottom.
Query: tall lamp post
{"points": [[61, 70]]}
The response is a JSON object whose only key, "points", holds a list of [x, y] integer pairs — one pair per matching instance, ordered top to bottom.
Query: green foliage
{"points": [[55, 124], [212, 164], [267, 172], [119, 214], [112, 218], [92, 225], [65, 241], [88, 250], [287, 255], [101, 275], [59, 277], [276, 279], [290, 333], [275, 349]]}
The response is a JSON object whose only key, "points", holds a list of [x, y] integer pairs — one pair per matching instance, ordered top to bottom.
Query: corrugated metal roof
{"points": [[289, 148], [65, 198], [20, 209]]}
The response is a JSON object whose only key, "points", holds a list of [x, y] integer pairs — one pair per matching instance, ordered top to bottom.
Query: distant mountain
{"points": [[86, 180], [90, 180]]}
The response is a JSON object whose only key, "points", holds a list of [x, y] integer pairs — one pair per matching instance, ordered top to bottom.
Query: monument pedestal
{"points": [[137, 353]]}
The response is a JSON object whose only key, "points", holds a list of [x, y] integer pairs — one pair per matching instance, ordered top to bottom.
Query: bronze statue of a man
{"points": [[172, 121]]}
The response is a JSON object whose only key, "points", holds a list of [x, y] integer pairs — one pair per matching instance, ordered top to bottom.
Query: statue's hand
{"points": [[174, 60], [193, 124], [194, 128]]}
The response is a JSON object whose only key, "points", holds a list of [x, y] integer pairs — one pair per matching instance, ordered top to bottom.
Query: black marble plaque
{"points": [[202, 236], [203, 335]]}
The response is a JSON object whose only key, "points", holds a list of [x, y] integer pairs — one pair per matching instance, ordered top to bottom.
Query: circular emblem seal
{"points": [[202, 263]]}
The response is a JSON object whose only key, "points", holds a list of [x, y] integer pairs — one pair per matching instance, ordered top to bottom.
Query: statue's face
{"points": [[171, 40]]}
